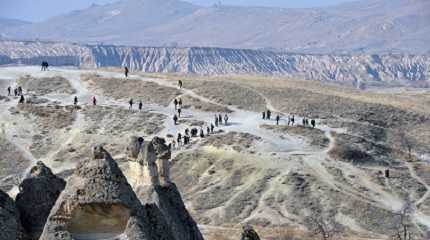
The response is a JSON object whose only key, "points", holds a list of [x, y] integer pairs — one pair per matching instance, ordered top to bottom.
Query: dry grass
{"points": [[148, 92], [404, 98]]}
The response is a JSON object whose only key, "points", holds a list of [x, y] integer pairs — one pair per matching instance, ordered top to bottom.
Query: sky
{"points": [[38, 10]]}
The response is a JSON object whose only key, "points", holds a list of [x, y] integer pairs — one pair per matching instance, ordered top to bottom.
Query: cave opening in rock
{"points": [[98, 221]]}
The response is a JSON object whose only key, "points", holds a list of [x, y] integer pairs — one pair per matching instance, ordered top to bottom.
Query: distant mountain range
{"points": [[7, 25], [377, 26]]}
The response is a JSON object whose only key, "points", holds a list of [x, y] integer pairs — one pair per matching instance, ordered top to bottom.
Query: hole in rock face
{"points": [[98, 221]]}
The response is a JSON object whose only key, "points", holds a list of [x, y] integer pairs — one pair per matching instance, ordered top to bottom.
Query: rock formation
{"points": [[356, 69], [156, 190], [38, 194], [98, 203], [10, 226], [249, 233]]}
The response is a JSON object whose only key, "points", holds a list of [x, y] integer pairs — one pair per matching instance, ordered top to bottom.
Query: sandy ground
{"points": [[249, 171]]}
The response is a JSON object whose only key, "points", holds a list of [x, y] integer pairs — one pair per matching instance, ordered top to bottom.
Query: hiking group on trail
{"points": [[17, 91], [266, 115]]}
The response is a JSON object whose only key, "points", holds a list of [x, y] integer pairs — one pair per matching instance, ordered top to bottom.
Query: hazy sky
{"points": [[36, 10]]}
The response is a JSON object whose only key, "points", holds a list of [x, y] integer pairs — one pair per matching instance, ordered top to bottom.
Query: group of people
{"points": [[45, 66], [17, 93], [139, 106], [178, 108], [268, 115], [291, 119], [219, 120], [305, 122], [185, 138]]}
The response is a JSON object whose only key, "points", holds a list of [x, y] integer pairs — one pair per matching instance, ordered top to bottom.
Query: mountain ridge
{"points": [[372, 26]]}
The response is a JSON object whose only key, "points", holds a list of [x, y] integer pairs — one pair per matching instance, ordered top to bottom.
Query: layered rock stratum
{"points": [[357, 70]]}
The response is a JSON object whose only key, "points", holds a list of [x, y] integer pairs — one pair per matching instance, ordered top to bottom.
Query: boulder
{"points": [[156, 189], [37, 195], [99, 203], [10, 226], [249, 233]]}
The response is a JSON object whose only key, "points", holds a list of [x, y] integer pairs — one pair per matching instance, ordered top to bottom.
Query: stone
{"points": [[156, 191], [37, 195], [99, 203], [10, 226], [248, 233]]}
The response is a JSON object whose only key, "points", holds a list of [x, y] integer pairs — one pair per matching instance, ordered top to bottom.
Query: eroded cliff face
{"points": [[355, 70]]}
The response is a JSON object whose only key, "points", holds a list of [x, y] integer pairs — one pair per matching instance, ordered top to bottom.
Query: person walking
{"points": [[126, 71], [180, 84], [8, 90], [21, 99], [75, 101], [94, 101], [180, 102], [176, 103], [131, 104], [140, 105], [179, 112], [268, 114], [264, 115], [219, 118], [175, 119], [225, 119], [277, 119], [216, 120], [292, 120], [313, 123], [212, 128], [179, 139]]}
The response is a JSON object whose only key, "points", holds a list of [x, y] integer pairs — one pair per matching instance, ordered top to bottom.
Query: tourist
{"points": [[126, 72], [180, 84], [8, 90], [21, 99], [94, 100], [75, 101], [176, 103], [131, 104], [140, 105], [179, 111], [268, 114], [264, 115], [175, 119], [225, 119], [277, 119], [216, 120], [313, 123], [212, 128], [179, 139]]}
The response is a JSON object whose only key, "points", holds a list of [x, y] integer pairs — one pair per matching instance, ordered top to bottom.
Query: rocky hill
{"points": [[365, 26], [356, 70]]}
